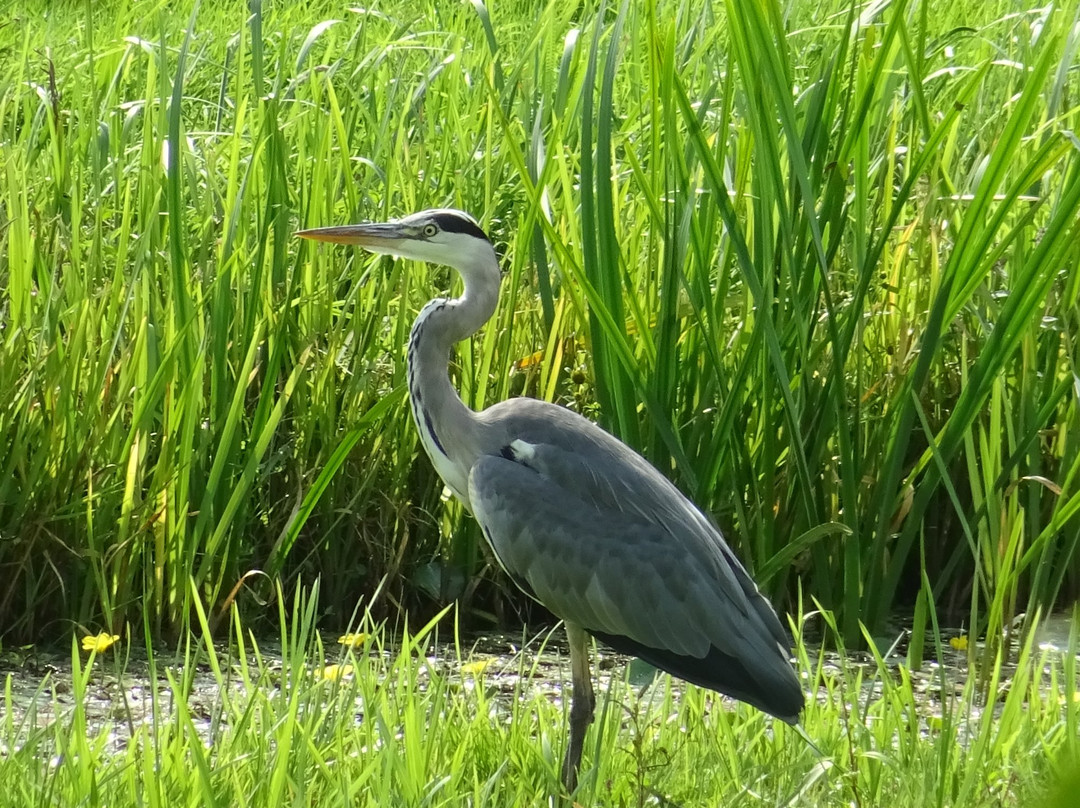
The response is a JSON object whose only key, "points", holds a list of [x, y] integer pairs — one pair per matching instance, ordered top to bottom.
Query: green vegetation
{"points": [[833, 258], [821, 266], [877, 381], [405, 727]]}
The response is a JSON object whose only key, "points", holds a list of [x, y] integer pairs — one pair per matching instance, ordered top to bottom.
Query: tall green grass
{"points": [[820, 265], [256, 722]]}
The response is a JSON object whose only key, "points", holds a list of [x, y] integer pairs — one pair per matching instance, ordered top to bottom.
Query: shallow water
{"points": [[119, 697]]}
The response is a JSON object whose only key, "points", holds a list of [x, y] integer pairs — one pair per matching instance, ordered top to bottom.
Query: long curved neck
{"points": [[448, 429]]}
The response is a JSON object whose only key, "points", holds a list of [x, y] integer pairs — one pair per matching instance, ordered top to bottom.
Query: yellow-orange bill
{"points": [[346, 234]]}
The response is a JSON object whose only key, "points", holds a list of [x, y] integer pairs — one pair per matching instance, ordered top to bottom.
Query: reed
{"points": [[820, 265]]}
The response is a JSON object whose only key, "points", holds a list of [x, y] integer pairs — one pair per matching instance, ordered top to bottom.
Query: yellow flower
{"points": [[353, 641], [959, 643], [99, 644], [476, 667], [334, 673]]}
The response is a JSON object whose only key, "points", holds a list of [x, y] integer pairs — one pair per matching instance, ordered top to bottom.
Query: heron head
{"points": [[440, 236]]}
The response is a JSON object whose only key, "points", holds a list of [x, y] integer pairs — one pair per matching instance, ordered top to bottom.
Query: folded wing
{"points": [[603, 540]]}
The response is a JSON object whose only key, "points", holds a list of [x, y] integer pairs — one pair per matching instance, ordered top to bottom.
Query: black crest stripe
{"points": [[452, 223]]}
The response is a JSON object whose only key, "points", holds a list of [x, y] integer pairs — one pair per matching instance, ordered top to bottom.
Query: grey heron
{"points": [[576, 518]]}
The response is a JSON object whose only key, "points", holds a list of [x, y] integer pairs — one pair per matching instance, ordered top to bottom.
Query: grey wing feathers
{"points": [[602, 539]]}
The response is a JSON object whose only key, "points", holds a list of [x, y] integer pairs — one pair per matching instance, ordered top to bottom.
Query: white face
{"points": [[439, 236]]}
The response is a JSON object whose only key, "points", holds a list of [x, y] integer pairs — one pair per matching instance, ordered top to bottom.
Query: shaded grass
{"points": [[410, 724]]}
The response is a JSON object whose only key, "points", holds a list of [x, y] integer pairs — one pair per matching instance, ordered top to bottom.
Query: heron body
{"points": [[576, 518]]}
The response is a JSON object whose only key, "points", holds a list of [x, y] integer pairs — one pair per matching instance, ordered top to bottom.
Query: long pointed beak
{"points": [[379, 236]]}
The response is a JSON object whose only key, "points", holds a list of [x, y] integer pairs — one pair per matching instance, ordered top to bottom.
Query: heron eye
{"points": [[430, 230]]}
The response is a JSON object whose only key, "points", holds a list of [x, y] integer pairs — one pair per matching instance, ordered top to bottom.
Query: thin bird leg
{"points": [[581, 709]]}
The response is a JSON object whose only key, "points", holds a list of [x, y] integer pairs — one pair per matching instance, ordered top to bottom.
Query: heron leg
{"points": [[583, 705]]}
